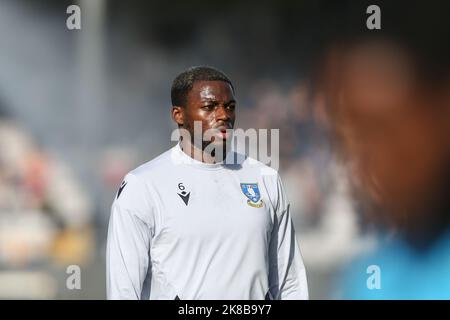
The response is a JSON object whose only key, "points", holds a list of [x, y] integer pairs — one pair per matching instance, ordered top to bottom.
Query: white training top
{"points": [[184, 229]]}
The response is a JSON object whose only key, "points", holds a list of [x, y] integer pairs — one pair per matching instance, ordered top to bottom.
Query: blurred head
{"points": [[206, 95], [387, 99], [391, 123]]}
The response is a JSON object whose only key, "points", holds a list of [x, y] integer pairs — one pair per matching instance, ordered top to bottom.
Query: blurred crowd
{"points": [[45, 216]]}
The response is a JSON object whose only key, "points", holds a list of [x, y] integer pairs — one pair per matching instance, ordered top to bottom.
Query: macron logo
{"points": [[123, 184], [185, 197]]}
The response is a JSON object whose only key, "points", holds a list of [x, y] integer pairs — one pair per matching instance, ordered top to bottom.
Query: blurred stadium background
{"points": [[80, 108]]}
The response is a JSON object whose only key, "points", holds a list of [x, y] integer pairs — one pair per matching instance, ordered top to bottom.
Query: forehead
{"points": [[211, 90]]}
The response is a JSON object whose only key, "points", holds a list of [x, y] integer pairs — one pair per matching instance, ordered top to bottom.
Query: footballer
{"points": [[193, 224]]}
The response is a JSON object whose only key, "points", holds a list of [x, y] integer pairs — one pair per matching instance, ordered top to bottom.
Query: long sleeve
{"points": [[128, 245], [287, 276]]}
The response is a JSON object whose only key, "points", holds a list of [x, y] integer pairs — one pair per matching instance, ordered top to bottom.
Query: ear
{"points": [[178, 115]]}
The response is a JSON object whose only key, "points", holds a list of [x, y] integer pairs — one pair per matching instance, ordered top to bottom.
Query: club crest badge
{"points": [[251, 191]]}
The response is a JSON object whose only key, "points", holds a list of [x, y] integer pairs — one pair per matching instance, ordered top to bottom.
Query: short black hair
{"points": [[184, 82]]}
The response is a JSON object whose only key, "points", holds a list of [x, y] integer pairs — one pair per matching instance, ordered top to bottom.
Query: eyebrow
{"points": [[215, 101]]}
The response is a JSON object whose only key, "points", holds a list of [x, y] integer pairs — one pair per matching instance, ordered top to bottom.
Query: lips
{"points": [[223, 128], [222, 131]]}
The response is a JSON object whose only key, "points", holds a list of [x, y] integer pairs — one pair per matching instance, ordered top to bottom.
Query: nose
{"points": [[222, 114]]}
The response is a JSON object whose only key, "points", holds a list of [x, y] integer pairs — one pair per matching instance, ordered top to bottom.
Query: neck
{"points": [[196, 153], [427, 226]]}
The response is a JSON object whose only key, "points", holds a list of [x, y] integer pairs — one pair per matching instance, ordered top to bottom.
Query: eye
{"points": [[208, 107], [231, 107]]}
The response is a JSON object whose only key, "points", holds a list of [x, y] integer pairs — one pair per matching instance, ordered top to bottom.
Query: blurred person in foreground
{"points": [[387, 96], [199, 222]]}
